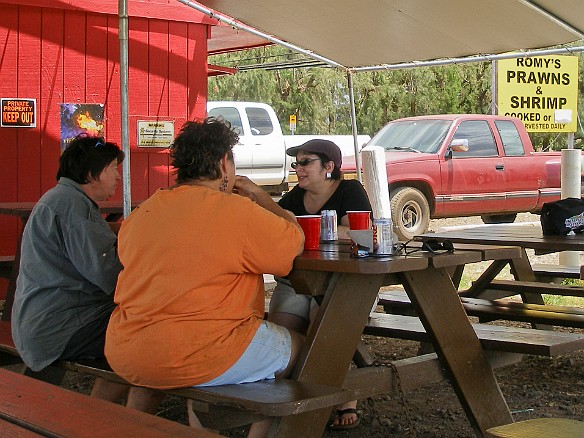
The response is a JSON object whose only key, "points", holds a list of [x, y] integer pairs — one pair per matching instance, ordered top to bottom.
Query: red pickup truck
{"points": [[463, 165]]}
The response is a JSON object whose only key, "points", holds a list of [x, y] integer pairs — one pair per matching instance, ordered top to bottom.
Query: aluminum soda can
{"points": [[328, 225], [382, 236]]}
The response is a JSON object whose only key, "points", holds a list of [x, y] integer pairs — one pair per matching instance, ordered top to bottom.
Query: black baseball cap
{"points": [[319, 146]]}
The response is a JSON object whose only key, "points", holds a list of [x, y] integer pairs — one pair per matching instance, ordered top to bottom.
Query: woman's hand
{"points": [[246, 187]]}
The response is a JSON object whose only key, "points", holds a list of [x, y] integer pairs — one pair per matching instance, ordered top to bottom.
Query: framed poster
{"points": [[80, 118]]}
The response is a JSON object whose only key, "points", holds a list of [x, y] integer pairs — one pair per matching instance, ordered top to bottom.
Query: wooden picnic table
{"points": [[112, 209], [527, 236], [348, 288]]}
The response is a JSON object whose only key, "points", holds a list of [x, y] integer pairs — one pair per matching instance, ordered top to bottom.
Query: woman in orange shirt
{"points": [[191, 294]]}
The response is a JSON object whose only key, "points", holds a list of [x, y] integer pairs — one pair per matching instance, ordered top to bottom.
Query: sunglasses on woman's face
{"points": [[303, 163]]}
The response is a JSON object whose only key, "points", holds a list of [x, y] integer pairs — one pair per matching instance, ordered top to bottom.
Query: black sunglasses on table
{"points": [[434, 246]]}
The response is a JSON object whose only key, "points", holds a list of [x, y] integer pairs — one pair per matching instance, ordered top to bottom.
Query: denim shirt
{"points": [[68, 272]]}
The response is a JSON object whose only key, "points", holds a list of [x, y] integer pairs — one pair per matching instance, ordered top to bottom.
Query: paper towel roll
{"points": [[571, 169], [375, 180]]}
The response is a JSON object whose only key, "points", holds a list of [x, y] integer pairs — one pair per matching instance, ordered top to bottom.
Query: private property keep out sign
{"points": [[542, 91], [18, 113]]}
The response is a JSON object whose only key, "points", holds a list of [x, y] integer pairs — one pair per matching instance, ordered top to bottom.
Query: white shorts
{"points": [[267, 354]]}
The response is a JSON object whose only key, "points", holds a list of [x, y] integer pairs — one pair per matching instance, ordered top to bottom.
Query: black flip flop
{"points": [[339, 413]]}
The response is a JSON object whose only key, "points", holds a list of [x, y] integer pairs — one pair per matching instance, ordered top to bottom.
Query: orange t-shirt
{"points": [[191, 296]]}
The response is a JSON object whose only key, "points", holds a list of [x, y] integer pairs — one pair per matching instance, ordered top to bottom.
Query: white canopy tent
{"points": [[369, 33], [386, 34]]}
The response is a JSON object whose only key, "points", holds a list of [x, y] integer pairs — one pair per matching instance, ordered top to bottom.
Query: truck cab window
{"points": [[231, 115], [259, 121], [510, 137], [480, 139]]}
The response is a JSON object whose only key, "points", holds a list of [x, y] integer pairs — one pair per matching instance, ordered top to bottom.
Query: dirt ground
{"points": [[535, 387]]}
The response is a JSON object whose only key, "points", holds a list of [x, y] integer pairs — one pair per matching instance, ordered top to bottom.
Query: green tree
{"points": [[319, 96]]}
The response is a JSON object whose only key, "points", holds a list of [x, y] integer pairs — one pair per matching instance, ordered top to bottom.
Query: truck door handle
{"points": [[499, 167]]}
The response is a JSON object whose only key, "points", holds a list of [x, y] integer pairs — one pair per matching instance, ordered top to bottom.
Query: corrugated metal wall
{"points": [[72, 56]]}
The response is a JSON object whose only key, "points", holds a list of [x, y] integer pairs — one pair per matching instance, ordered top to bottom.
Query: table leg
{"points": [[477, 290], [440, 310], [330, 345]]}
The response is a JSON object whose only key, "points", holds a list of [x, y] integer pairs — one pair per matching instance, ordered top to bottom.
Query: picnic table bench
{"points": [[545, 271], [490, 310], [492, 337], [30, 407], [219, 407]]}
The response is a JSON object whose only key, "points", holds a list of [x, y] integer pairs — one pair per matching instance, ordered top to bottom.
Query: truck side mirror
{"points": [[458, 145]]}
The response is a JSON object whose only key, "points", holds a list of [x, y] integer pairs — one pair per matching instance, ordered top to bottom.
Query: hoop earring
{"points": [[224, 182]]}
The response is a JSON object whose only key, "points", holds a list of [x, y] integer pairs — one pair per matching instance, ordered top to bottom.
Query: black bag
{"points": [[563, 216]]}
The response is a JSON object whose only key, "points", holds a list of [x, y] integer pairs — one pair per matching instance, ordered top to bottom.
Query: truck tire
{"points": [[410, 213], [499, 218]]}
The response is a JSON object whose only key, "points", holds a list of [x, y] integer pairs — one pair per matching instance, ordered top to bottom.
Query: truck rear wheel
{"points": [[410, 213], [499, 218]]}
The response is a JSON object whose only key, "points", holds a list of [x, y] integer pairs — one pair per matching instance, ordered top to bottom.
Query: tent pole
{"points": [[123, 37], [354, 126]]}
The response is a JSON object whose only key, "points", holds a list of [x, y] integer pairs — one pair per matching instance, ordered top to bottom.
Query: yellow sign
{"points": [[542, 91], [292, 123]]}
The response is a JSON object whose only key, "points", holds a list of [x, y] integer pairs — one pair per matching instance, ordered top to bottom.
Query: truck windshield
{"points": [[412, 135]]}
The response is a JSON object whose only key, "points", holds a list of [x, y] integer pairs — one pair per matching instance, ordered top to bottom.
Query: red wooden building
{"points": [[67, 51]]}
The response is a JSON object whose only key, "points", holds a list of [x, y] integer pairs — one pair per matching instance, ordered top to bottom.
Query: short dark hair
{"points": [[198, 148], [87, 156], [336, 173]]}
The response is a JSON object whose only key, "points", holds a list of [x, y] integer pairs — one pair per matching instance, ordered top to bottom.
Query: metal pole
{"points": [[123, 37], [494, 88], [354, 127]]}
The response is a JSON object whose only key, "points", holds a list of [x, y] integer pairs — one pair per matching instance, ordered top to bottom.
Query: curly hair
{"points": [[199, 147], [86, 157]]}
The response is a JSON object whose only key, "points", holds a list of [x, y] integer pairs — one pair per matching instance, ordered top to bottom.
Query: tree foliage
{"points": [[319, 96]]}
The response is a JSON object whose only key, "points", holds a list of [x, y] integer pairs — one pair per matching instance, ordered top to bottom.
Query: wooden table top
{"points": [[525, 236], [335, 257]]}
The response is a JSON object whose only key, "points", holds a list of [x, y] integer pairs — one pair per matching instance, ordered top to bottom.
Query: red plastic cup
{"points": [[359, 220], [311, 226]]}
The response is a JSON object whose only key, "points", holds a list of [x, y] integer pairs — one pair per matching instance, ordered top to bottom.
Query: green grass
{"points": [[558, 300]]}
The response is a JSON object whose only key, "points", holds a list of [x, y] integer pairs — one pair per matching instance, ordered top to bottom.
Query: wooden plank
{"points": [[197, 71], [54, 75], [30, 83], [8, 137], [492, 252], [556, 271], [526, 287], [397, 302], [492, 337], [271, 398], [56, 411], [539, 428], [12, 430]]}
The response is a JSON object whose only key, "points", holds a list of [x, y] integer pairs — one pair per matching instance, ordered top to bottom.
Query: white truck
{"points": [[261, 152]]}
